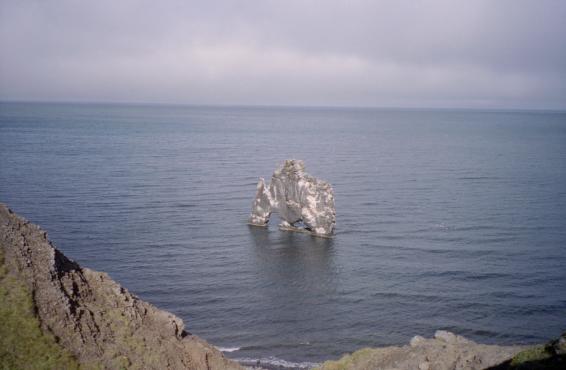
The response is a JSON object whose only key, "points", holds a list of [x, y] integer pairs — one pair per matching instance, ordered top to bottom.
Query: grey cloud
{"points": [[492, 54]]}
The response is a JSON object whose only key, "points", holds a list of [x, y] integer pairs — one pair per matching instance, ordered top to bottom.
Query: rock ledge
{"points": [[446, 351]]}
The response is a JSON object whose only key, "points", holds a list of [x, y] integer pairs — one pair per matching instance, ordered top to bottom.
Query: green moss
{"points": [[22, 343], [537, 353], [349, 361]]}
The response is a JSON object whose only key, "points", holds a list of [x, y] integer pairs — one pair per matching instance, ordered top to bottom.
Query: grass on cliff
{"points": [[22, 343], [358, 359]]}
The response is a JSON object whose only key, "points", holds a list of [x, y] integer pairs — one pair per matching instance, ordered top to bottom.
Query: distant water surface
{"points": [[446, 219]]}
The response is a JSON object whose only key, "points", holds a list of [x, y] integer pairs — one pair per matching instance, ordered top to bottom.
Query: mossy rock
{"points": [[23, 345], [537, 353], [543, 357], [350, 361]]}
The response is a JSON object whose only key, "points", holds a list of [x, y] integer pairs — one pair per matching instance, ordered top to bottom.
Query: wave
{"points": [[228, 349], [274, 363]]}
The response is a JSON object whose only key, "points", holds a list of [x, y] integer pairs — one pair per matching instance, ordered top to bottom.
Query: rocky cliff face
{"points": [[96, 320], [446, 351]]}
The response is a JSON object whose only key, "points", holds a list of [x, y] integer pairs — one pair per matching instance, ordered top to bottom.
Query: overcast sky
{"points": [[472, 53]]}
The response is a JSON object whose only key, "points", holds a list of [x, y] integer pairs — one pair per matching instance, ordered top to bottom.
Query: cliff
{"points": [[57, 314], [448, 351]]}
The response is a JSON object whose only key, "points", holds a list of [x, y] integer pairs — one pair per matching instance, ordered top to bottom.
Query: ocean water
{"points": [[445, 219]]}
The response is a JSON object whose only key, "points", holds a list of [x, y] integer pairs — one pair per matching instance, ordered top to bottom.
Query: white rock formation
{"points": [[298, 198], [261, 207]]}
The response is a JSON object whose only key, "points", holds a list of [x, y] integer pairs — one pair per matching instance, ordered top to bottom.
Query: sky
{"points": [[494, 54]]}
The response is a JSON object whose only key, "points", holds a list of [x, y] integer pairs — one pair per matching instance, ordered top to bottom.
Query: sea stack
{"points": [[303, 202]]}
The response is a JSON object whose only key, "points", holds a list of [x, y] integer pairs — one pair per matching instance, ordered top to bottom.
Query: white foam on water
{"points": [[228, 349], [275, 363]]}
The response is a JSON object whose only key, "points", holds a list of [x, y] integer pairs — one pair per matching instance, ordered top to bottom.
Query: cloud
{"points": [[359, 53]]}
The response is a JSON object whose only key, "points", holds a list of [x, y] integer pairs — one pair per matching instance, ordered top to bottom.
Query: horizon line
{"points": [[271, 106]]}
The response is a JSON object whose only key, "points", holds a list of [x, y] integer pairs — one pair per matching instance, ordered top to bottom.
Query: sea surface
{"points": [[446, 219]]}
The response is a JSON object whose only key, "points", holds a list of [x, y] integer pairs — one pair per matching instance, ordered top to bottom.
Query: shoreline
{"points": [[84, 314], [96, 320]]}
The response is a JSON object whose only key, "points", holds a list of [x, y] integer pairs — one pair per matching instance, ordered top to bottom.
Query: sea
{"points": [[446, 219]]}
